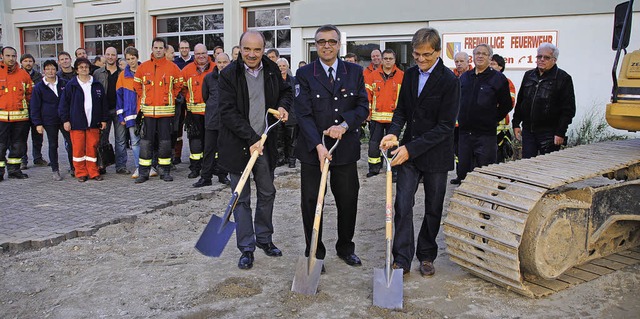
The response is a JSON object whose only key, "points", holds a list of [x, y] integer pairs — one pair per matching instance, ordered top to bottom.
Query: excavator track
{"points": [[488, 216]]}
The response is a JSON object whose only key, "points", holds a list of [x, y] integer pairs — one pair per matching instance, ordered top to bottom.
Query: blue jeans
{"points": [[119, 132], [539, 142], [135, 145], [435, 187], [260, 229]]}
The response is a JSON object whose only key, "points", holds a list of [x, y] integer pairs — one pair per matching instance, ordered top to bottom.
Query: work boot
{"points": [[292, 162], [194, 166], [143, 174], [166, 174], [194, 174], [18, 175], [223, 179]]}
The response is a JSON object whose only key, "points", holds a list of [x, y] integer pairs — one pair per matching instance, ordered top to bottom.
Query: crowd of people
{"points": [[428, 117]]}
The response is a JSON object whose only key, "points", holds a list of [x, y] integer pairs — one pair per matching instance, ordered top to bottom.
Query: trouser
{"points": [[160, 127], [377, 131], [119, 132], [13, 136], [281, 137], [52, 138], [176, 138], [456, 140], [290, 141], [196, 143], [537, 143], [135, 145], [36, 146], [475, 150], [85, 151], [210, 161], [344, 187], [435, 187], [250, 230]]}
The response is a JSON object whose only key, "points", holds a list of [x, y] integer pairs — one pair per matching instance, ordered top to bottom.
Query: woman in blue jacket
{"points": [[83, 111], [44, 114]]}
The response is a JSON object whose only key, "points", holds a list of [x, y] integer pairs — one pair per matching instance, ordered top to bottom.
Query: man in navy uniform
{"points": [[330, 99]]}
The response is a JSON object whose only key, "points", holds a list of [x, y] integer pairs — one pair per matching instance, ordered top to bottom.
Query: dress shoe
{"points": [[176, 161], [40, 162], [292, 163], [102, 170], [123, 171], [72, 172], [193, 174], [371, 174], [18, 175], [56, 176], [98, 178], [82, 179], [141, 179], [223, 179], [455, 181], [202, 182], [270, 249], [246, 260], [351, 260], [427, 269], [324, 270], [405, 271]]}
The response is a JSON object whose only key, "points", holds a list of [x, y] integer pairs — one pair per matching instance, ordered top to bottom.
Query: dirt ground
{"points": [[149, 269]]}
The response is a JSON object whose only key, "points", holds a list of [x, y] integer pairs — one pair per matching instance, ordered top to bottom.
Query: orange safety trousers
{"points": [[85, 151]]}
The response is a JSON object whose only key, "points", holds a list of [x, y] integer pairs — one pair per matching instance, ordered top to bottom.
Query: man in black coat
{"points": [[248, 87], [330, 99], [428, 105]]}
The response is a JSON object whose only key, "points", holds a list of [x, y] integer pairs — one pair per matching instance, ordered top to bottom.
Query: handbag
{"points": [[106, 155]]}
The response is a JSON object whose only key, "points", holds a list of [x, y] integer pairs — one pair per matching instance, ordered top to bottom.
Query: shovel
{"points": [[218, 231], [308, 269], [387, 282]]}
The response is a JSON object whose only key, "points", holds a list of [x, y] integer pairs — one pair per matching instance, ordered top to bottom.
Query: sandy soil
{"points": [[149, 269]]}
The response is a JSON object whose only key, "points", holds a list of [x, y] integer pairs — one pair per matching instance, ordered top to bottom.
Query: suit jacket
{"points": [[319, 106], [429, 118], [236, 135]]}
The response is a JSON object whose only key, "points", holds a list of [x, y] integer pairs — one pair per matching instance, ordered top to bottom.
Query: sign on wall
{"points": [[519, 49]]}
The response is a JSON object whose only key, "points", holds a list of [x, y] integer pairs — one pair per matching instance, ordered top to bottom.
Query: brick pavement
{"points": [[38, 212]]}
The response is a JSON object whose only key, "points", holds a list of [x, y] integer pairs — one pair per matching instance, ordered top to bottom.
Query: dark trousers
{"points": [[160, 128], [377, 131], [13, 137], [52, 137], [120, 137], [456, 139], [290, 141], [196, 142], [537, 143], [36, 145], [475, 150], [210, 161], [344, 187], [435, 187], [250, 230]]}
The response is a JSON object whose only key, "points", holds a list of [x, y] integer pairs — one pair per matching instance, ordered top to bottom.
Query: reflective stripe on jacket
{"points": [[157, 83], [192, 89], [15, 93]]}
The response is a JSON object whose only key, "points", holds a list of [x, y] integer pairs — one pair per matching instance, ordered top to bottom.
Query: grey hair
{"points": [[486, 46], [554, 49], [464, 54], [283, 60]]}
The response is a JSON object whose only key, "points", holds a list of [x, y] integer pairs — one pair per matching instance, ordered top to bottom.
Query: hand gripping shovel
{"points": [[218, 231], [308, 269], [387, 282]]}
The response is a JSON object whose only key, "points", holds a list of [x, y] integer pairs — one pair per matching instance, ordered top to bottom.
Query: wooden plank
{"points": [[621, 259], [608, 264], [595, 269], [581, 274], [570, 279], [555, 285]]}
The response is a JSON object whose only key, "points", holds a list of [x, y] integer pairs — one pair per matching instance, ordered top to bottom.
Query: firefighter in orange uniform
{"points": [[193, 76], [157, 82], [383, 89], [15, 93]]}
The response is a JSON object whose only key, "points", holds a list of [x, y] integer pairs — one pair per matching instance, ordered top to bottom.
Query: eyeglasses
{"points": [[323, 42], [481, 53], [423, 55], [544, 57], [388, 59]]}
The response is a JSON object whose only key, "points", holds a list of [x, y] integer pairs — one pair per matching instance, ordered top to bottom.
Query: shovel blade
{"points": [[214, 237], [305, 280], [387, 293]]}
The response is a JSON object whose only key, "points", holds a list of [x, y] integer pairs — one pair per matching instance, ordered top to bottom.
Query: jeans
{"points": [[119, 131], [52, 137], [539, 142], [36, 143], [135, 145], [260, 229]]}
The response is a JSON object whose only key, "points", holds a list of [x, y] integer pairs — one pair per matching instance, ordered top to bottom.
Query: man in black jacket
{"points": [[248, 87], [485, 100], [427, 104], [545, 106]]}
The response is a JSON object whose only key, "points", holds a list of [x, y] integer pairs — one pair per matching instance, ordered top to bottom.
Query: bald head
{"points": [[252, 48], [200, 52], [111, 54], [222, 60]]}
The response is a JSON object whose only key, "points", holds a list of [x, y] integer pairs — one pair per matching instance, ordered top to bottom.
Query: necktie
{"points": [[331, 75]]}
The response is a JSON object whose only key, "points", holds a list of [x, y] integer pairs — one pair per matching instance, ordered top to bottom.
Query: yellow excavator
{"points": [[541, 225]]}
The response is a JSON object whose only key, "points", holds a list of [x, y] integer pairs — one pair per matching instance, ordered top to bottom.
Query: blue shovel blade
{"points": [[214, 237]]}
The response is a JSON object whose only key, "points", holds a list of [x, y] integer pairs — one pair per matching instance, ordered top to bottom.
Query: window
{"points": [[274, 25], [207, 29], [101, 35], [44, 43]]}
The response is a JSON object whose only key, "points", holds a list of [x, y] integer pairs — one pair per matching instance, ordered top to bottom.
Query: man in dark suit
{"points": [[248, 87], [330, 99], [428, 105]]}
